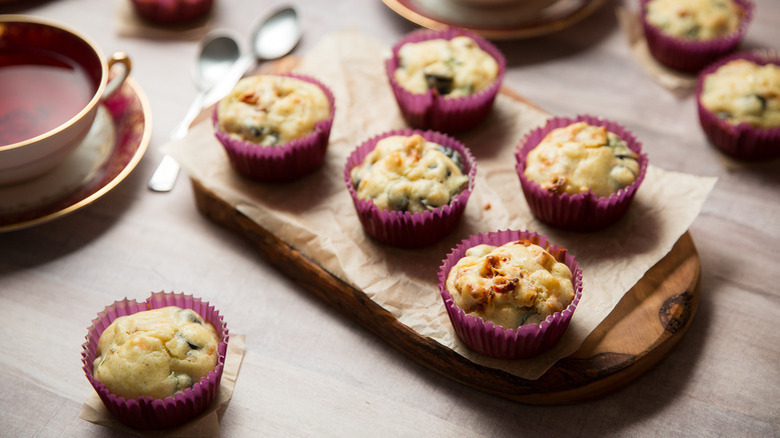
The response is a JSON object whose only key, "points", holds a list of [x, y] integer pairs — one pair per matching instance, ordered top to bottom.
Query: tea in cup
{"points": [[52, 80]]}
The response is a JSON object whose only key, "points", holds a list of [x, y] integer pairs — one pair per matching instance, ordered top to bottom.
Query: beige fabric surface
{"points": [[315, 214]]}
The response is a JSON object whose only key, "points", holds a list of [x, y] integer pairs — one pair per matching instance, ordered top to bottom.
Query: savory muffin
{"points": [[172, 12], [695, 19], [688, 35], [453, 68], [447, 80], [742, 91], [738, 102], [269, 110], [275, 128], [582, 158], [408, 173], [580, 174], [410, 187], [510, 285], [510, 294], [185, 329], [155, 353]]}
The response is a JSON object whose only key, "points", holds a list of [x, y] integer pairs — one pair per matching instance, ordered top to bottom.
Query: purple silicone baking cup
{"points": [[172, 11], [691, 56], [438, 113], [742, 141], [286, 162], [582, 211], [406, 229], [496, 341], [146, 412]]}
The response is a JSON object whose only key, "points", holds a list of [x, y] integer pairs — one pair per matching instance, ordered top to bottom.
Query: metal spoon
{"points": [[272, 38], [218, 54]]}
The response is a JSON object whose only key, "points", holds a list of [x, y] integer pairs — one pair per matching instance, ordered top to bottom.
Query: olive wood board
{"points": [[644, 326], [639, 332]]}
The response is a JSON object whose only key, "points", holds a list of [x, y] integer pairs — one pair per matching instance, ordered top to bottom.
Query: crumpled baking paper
{"points": [[315, 214]]}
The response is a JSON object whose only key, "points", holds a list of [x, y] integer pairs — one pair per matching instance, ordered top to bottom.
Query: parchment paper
{"points": [[631, 25], [315, 215], [204, 425]]}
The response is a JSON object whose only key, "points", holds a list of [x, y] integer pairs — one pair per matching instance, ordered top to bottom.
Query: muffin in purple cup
{"points": [[172, 12], [687, 35], [446, 80], [738, 100], [275, 128], [580, 174], [410, 187], [510, 294], [158, 363]]}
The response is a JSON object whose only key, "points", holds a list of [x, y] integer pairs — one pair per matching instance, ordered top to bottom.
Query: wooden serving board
{"points": [[641, 330]]}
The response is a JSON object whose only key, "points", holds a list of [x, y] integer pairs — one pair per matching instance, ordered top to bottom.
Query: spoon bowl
{"points": [[277, 35], [272, 38], [218, 54]]}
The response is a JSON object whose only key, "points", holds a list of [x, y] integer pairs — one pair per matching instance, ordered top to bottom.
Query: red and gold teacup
{"points": [[52, 80]]}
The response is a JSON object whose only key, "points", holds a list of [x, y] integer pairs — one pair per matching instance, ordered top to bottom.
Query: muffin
{"points": [[171, 12], [687, 35], [446, 80], [739, 105], [275, 128], [580, 174], [410, 187], [510, 294], [155, 353], [158, 363]]}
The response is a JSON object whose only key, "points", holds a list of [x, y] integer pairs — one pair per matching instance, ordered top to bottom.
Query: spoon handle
{"points": [[197, 105], [164, 177]]}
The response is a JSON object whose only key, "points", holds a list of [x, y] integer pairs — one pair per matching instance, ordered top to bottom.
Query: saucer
{"points": [[496, 23], [113, 147]]}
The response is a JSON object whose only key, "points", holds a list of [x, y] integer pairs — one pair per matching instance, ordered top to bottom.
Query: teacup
{"points": [[52, 80]]}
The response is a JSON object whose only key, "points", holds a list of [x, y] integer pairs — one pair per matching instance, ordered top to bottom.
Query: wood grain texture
{"points": [[641, 330]]}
